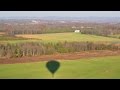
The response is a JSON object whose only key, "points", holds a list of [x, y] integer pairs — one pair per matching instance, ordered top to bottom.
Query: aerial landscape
{"points": [[74, 44]]}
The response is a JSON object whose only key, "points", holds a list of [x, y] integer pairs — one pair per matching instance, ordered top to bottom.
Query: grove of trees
{"points": [[36, 49]]}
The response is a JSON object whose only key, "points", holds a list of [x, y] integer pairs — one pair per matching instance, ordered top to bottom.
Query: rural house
{"points": [[77, 31]]}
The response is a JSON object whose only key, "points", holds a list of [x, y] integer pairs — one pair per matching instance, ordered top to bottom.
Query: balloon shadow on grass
{"points": [[52, 66]]}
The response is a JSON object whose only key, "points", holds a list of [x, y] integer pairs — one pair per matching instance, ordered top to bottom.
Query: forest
{"points": [[36, 49]]}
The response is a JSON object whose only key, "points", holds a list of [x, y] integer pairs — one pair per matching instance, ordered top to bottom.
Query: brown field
{"points": [[2, 33], [65, 56]]}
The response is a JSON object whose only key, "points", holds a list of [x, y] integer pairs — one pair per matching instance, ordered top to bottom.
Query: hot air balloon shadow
{"points": [[52, 66]]}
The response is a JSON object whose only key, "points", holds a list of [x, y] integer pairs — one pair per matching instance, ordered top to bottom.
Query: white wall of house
{"points": [[77, 31]]}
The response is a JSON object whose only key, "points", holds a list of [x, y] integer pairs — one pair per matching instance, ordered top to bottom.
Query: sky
{"points": [[60, 13]]}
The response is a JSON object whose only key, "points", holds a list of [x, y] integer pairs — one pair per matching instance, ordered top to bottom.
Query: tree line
{"points": [[36, 29], [102, 29], [37, 49]]}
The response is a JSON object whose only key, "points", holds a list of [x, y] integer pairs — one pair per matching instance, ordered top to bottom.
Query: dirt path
{"points": [[66, 56]]}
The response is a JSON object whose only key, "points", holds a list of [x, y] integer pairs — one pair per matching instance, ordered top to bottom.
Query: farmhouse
{"points": [[34, 22], [77, 31]]}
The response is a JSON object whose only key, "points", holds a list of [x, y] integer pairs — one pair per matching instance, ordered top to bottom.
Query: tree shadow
{"points": [[52, 66]]}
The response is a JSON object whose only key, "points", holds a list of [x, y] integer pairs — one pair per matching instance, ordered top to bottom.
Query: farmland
{"points": [[115, 36], [56, 37], [11, 39], [27, 45], [100, 67]]}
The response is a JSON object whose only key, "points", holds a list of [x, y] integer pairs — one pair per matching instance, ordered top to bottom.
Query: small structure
{"points": [[34, 22], [74, 27], [77, 31]]}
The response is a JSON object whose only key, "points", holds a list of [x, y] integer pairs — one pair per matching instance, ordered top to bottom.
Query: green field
{"points": [[115, 36], [55, 37], [9, 39], [18, 41], [100, 67]]}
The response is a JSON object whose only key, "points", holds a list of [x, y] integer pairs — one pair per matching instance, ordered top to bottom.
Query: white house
{"points": [[34, 22], [77, 31]]}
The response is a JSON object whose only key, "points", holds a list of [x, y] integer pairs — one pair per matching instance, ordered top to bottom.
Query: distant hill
{"points": [[88, 19]]}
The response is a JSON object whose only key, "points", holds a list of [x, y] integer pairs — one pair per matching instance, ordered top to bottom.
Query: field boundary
{"points": [[64, 56]]}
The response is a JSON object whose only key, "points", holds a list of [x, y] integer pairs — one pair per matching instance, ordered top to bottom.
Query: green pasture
{"points": [[70, 37], [97, 67]]}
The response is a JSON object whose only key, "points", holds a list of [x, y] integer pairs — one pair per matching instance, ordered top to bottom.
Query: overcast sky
{"points": [[60, 13]]}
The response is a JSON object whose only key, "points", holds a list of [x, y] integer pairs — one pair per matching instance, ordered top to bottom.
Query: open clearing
{"points": [[2, 33], [116, 36], [55, 37], [8, 39], [89, 64], [97, 67]]}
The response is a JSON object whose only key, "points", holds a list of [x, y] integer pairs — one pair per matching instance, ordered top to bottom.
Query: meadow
{"points": [[115, 36], [56, 37], [70, 37], [11, 39], [92, 68]]}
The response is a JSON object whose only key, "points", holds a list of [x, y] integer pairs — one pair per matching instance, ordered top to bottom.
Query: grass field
{"points": [[116, 36], [55, 37], [8, 39], [18, 41], [100, 67]]}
